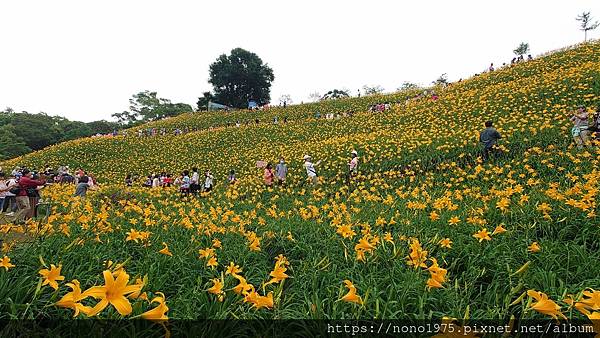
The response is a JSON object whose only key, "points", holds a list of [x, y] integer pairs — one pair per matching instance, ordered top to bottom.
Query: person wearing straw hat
{"points": [[310, 169]]}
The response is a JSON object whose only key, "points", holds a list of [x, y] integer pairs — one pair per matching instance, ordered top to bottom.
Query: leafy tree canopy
{"points": [[240, 77]]}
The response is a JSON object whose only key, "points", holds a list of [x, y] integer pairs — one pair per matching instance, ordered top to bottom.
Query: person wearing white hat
{"points": [[353, 164], [310, 169]]}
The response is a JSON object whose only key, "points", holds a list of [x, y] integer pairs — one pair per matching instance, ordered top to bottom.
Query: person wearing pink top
{"points": [[353, 164], [269, 175]]}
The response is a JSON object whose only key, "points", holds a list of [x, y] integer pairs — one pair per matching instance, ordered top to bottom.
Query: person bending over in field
{"points": [[580, 130], [488, 138], [310, 169], [82, 187]]}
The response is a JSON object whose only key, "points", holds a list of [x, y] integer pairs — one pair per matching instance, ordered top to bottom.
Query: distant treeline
{"points": [[21, 133]]}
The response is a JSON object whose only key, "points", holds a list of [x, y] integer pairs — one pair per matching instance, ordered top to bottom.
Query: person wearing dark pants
{"points": [[489, 138]]}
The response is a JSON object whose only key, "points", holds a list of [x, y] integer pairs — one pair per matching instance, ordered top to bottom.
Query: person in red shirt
{"points": [[28, 194]]}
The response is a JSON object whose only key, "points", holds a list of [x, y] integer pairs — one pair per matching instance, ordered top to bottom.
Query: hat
{"points": [[354, 152], [306, 157]]}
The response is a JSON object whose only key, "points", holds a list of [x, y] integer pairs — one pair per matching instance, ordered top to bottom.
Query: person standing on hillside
{"points": [[595, 125], [580, 130], [488, 137], [353, 165], [310, 169], [281, 171], [269, 175], [195, 181], [208, 182], [185, 183], [3, 190], [28, 193]]}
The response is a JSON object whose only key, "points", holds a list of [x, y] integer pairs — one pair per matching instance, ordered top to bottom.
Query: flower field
{"points": [[426, 230]]}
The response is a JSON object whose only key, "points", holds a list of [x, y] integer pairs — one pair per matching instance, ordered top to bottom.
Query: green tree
{"points": [[586, 23], [522, 49], [240, 77], [441, 81], [408, 86], [372, 90], [335, 94], [203, 101], [147, 106], [103, 127], [37, 130], [11, 145]]}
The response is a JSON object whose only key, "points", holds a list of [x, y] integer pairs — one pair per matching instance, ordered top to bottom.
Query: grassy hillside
{"points": [[413, 217]]}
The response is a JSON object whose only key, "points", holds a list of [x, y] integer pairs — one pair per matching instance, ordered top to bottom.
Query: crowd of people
{"points": [[585, 126], [585, 130], [20, 191]]}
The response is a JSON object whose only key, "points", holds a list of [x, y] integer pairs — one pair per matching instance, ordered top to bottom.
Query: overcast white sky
{"points": [[84, 59]]}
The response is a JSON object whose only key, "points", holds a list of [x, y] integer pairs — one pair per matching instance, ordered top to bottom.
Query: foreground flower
{"points": [[499, 229], [482, 235], [445, 243], [534, 247], [165, 250], [417, 256], [5, 263], [233, 269], [278, 274], [438, 275], [52, 276], [243, 286], [217, 289], [113, 292], [351, 296], [71, 300], [259, 301], [545, 305], [159, 312]]}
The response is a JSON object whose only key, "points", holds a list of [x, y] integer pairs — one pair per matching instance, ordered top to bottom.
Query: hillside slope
{"points": [[426, 229]]}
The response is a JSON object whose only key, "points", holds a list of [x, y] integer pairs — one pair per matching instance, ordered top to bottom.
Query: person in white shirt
{"points": [[310, 169], [195, 181], [155, 182], [208, 182], [10, 199]]}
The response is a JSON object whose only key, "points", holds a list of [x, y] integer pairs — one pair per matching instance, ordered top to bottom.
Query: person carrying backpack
{"points": [[28, 194]]}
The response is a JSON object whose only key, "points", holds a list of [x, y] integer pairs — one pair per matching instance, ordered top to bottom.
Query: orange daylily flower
{"points": [[52, 276], [351, 296], [544, 305]]}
